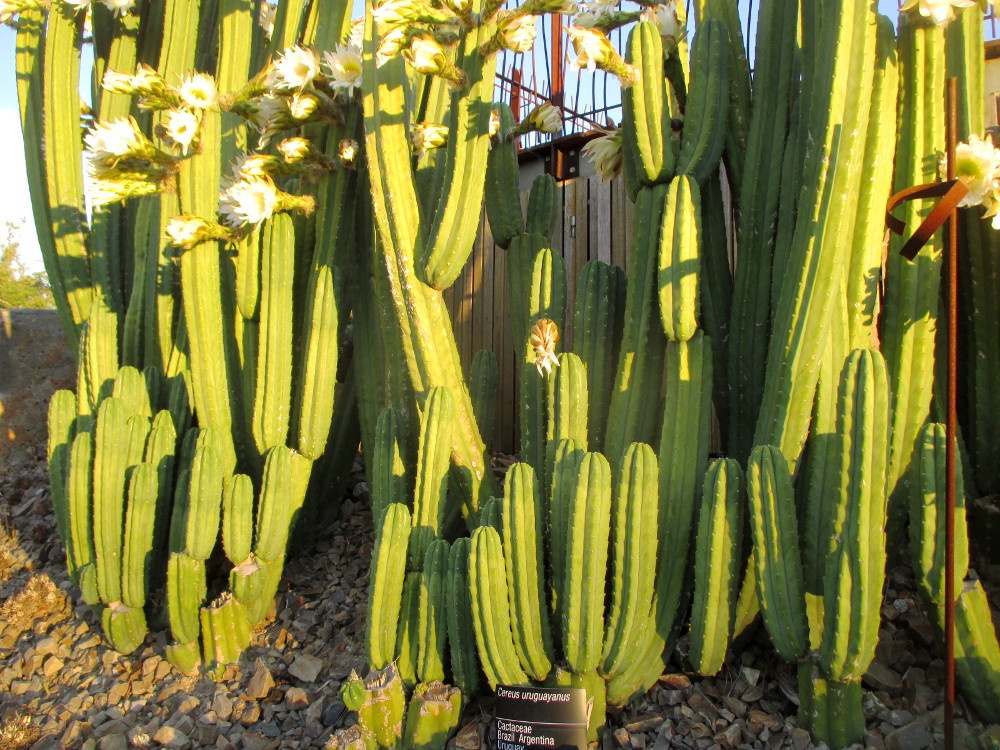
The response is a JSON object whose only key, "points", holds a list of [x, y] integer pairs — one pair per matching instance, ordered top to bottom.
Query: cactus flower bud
{"points": [[593, 50], [426, 56], [117, 82], [301, 105], [546, 118], [494, 122], [428, 135], [294, 150], [348, 151], [187, 231], [543, 339]]}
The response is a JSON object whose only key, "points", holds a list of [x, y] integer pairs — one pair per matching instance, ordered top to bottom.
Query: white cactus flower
{"points": [[601, 6], [120, 7], [399, 12], [939, 12], [664, 17], [586, 20], [518, 33], [356, 37], [592, 48], [344, 65], [294, 69], [146, 80], [198, 91], [267, 108], [546, 118], [181, 127], [428, 135], [114, 140], [606, 152], [977, 164], [103, 192], [248, 202]]}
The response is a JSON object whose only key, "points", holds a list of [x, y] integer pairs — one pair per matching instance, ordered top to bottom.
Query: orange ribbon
{"points": [[950, 193]]}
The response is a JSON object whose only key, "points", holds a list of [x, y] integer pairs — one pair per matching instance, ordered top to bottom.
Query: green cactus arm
{"points": [[287, 22], [236, 27], [29, 57], [707, 108], [647, 110], [838, 117], [880, 144], [64, 158], [459, 178], [502, 196], [758, 201], [543, 210], [679, 266], [248, 275], [600, 297], [418, 312], [98, 357], [637, 379], [483, 389], [272, 393], [569, 406], [61, 418], [683, 459], [110, 464], [388, 472], [282, 492], [205, 496], [430, 496], [557, 506], [79, 507], [927, 513], [237, 517], [140, 520], [634, 533], [586, 559], [717, 560], [524, 562], [855, 565], [386, 588], [780, 590], [186, 591], [458, 609], [490, 616], [125, 628], [225, 633], [409, 633], [432, 634], [977, 651], [432, 716]]}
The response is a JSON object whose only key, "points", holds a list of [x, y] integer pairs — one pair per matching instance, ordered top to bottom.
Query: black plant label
{"points": [[528, 717]]}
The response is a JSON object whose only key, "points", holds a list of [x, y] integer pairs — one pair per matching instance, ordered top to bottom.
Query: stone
{"points": [[47, 645], [52, 665], [306, 668], [881, 677], [260, 683], [296, 698], [222, 706], [251, 713], [333, 714], [731, 736], [171, 737], [911, 737], [622, 738], [800, 738], [254, 741], [113, 742]]}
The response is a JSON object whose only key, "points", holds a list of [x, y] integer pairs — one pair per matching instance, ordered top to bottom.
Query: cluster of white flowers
{"points": [[120, 7], [8, 8], [939, 12], [666, 20], [606, 151], [120, 162], [977, 164], [248, 201]]}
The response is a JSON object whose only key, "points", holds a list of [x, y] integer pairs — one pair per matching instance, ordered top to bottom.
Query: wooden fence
{"points": [[595, 224]]}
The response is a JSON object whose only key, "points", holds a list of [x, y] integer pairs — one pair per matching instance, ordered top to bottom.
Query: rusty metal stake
{"points": [[951, 426]]}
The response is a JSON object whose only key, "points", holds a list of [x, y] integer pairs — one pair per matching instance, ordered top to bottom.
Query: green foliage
{"points": [[19, 287]]}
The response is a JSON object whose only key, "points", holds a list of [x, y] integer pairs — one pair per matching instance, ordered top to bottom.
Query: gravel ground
{"points": [[61, 686]]}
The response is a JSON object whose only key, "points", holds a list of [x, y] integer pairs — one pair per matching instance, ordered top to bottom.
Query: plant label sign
{"points": [[526, 718]]}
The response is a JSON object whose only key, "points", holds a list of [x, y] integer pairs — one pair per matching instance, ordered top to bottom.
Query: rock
{"points": [[47, 645], [52, 665], [306, 668], [881, 677], [676, 681], [260, 683], [296, 698], [222, 706], [334, 713], [251, 714], [897, 717], [731, 736], [171, 737], [911, 737], [622, 738], [800, 738], [254, 741], [113, 742]]}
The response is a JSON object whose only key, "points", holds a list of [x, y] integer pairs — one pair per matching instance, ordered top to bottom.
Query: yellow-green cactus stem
{"points": [[387, 575], [432, 716]]}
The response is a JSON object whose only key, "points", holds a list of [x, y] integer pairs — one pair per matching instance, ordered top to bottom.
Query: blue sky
{"points": [[14, 204]]}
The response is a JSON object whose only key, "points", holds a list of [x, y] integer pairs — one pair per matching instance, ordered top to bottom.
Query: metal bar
{"points": [[951, 250]]}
